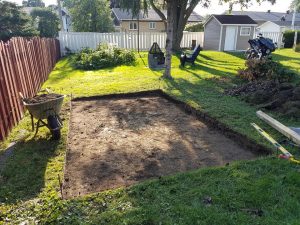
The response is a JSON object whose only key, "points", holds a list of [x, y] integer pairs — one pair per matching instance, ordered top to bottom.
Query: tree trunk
{"points": [[170, 17]]}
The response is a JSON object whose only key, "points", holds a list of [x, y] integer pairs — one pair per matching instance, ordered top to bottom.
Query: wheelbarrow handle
{"points": [[21, 95]]}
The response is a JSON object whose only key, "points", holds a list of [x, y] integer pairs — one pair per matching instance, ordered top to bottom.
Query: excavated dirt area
{"points": [[119, 142]]}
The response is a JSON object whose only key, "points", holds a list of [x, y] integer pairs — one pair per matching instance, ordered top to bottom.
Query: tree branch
{"points": [[191, 8], [159, 12]]}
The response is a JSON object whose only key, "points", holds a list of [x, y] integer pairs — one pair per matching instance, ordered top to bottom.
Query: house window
{"points": [[152, 25], [133, 26], [245, 31]]}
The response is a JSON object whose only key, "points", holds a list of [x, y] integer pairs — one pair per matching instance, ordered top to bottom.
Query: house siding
{"points": [[144, 26], [269, 27], [212, 35], [223, 38], [242, 41]]}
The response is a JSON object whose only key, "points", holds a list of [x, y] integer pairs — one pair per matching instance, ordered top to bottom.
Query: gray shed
{"points": [[228, 32]]}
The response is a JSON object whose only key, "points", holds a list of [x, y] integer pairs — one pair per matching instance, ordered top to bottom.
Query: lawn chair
{"points": [[190, 58]]}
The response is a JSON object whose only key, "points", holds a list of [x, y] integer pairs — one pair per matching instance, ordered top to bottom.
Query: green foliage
{"points": [[33, 3], [295, 3], [90, 15], [47, 21], [14, 22], [194, 27], [289, 37], [297, 48], [104, 56], [265, 69], [237, 190]]}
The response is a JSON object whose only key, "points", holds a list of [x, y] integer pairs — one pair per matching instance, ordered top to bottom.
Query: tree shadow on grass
{"points": [[240, 55], [279, 57], [134, 139], [23, 175]]}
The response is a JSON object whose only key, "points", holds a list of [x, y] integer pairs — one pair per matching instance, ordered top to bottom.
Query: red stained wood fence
{"points": [[24, 66]]}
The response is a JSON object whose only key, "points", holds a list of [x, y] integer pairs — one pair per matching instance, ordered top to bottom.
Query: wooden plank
{"points": [[24, 66], [13, 81], [7, 88], [292, 135]]}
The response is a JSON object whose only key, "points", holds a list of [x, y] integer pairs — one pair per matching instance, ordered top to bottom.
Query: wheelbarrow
{"points": [[47, 110]]}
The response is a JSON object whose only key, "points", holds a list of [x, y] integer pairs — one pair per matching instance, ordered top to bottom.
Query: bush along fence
{"points": [[75, 41], [24, 66]]}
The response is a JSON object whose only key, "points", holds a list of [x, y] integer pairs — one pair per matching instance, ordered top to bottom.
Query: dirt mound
{"points": [[271, 95], [42, 98]]}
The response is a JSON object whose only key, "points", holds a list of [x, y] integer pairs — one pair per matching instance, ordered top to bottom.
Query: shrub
{"points": [[196, 27], [288, 37], [102, 57], [265, 69]]}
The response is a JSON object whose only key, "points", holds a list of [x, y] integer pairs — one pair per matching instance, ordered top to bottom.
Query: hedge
{"points": [[289, 36]]}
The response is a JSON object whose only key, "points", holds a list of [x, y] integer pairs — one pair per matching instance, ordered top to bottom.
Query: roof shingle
{"points": [[150, 16], [267, 16], [235, 19]]}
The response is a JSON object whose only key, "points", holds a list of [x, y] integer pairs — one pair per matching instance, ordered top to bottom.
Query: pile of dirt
{"points": [[271, 95], [42, 98]]}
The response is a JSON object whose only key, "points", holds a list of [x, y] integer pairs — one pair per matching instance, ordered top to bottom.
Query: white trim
{"points": [[116, 15], [209, 18], [269, 22], [133, 25], [245, 25], [152, 28], [245, 35], [236, 36], [221, 37]]}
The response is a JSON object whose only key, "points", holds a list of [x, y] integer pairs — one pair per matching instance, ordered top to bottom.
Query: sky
{"points": [[215, 8]]}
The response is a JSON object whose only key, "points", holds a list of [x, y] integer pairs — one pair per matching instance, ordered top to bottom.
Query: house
{"points": [[65, 15], [66, 18], [272, 21], [150, 22], [277, 26], [228, 32]]}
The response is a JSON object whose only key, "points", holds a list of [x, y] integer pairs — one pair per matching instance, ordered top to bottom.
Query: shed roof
{"points": [[235, 19]]}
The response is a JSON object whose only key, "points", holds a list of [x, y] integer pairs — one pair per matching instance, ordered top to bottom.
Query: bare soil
{"points": [[270, 95], [42, 98], [119, 142]]}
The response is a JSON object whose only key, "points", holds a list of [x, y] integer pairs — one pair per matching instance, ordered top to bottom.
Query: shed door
{"points": [[230, 38]]}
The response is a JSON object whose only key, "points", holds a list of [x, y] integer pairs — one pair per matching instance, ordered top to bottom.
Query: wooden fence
{"points": [[75, 41], [24, 66]]}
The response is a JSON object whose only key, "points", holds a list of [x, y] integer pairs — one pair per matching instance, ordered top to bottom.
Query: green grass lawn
{"points": [[262, 191]]}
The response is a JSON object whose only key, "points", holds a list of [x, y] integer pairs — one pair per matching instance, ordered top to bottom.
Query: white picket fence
{"points": [[275, 36], [75, 41]]}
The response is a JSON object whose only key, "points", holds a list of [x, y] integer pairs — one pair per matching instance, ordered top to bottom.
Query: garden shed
{"points": [[228, 32]]}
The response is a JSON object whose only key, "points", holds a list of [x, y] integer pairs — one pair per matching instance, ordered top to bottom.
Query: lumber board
{"points": [[286, 131]]}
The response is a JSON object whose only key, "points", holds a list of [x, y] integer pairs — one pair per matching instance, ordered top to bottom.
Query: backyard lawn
{"points": [[261, 191]]}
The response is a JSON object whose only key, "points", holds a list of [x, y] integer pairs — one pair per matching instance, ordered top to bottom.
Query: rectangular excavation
{"points": [[121, 141]]}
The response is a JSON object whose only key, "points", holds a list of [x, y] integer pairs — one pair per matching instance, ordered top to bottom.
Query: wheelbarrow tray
{"points": [[43, 110]]}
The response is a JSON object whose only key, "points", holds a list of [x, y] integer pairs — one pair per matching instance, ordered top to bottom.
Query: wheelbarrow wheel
{"points": [[54, 126]]}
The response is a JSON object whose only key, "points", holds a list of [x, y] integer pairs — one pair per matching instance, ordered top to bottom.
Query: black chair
{"points": [[190, 58]]}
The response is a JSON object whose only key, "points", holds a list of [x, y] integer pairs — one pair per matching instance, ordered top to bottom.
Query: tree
{"points": [[33, 3], [295, 3], [178, 12], [90, 15], [47, 21], [14, 22]]}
